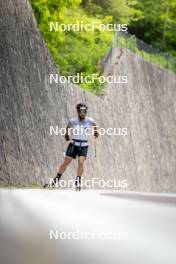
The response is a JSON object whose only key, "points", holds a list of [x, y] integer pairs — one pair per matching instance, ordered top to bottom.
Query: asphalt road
{"points": [[64, 226]]}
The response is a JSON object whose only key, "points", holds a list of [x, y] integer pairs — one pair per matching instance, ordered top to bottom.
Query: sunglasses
{"points": [[82, 111]]}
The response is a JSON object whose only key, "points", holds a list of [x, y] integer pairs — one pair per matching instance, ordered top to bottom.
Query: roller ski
{"points": [[54, 182]]}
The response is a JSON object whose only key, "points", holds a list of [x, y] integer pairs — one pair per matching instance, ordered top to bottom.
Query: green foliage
{"points": [[121, 11], [157, 26], [73, 52], [80, 52]]}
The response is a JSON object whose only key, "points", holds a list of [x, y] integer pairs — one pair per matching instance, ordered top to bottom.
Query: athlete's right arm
{"points": [[67, 138]]}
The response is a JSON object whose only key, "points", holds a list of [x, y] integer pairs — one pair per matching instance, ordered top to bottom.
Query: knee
{"points": [[80, 162]]}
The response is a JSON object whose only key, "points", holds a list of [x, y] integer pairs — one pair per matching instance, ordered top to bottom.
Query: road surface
{"points": [[91, 226]]}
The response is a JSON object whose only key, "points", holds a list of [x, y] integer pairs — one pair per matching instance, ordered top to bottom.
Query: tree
{"points": [[157, 26]]}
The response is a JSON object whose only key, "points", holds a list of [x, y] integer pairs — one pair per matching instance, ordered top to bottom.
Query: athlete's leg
{"points": [[70, 154], [81, 160], [64, 165], [62, 168]]}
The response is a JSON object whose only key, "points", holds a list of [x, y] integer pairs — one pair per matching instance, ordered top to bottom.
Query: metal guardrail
{"points": [[148, 52]]}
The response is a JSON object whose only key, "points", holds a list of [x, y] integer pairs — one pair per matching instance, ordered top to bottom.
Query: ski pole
{"points": [[95, 147]]}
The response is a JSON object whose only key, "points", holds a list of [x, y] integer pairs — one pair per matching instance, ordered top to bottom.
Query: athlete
{"points": [[77, 132]]}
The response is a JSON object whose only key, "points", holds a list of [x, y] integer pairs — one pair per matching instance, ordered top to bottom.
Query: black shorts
{"points": [[73, 151]]}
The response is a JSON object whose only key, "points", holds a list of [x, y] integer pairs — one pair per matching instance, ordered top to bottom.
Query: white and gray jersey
{"points": [[79, 130]]}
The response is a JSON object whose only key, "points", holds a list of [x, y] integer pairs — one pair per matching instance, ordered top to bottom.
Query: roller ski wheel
{"points": [[48, 186], [78, 188]]}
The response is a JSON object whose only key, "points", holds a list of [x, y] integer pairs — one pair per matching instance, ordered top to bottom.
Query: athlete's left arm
{"points": [[95, 128]]}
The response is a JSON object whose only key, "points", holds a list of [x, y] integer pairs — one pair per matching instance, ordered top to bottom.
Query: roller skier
{"points": [[78, 145]]}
